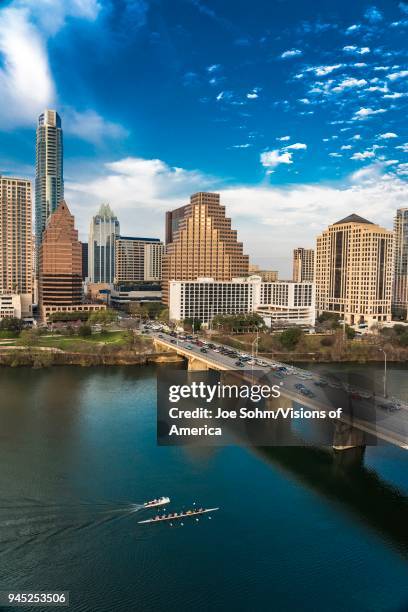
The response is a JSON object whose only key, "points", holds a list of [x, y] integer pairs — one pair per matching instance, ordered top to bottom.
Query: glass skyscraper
{"points": [[49, 181], [103, 231], [400, 288]]}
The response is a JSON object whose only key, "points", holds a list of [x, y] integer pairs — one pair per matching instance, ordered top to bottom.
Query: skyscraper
{"points": [[49, 181], [103, 231], [16, 240], [201, 243], [138, 259], [303, 265], [353, 275], [60, 282], [400, 288]]}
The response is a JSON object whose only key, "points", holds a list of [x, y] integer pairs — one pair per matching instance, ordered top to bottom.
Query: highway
{"points": [[383, 418]]}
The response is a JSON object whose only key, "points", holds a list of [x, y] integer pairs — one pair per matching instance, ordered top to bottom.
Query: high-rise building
{"points": [[49, 181], [103, 232], [16, 240], [201, 243], [84, 247], [138, 259], [303, 265], [353, 274], [60, 282], [400, 288]]}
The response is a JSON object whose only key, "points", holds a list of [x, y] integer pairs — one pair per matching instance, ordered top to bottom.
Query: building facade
{"points": [[49, 178], [103, 232], [201, 243], [16, 248], [84, 251], [138, 259], [303, 265], [353, 274], [60, 281], [400, 287], [139, 293], [285, 302]]}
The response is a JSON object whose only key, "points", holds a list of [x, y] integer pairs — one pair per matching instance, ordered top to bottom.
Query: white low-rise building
{"points": [[285, 302], [10, 306]]}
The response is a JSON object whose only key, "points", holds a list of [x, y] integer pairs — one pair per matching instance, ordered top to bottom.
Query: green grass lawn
{"points": [[75, 344]]}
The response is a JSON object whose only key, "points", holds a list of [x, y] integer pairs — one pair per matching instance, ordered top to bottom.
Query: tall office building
{"points": [[49, 181], [103, 232], [16, 240], [201, 243], [84, 248], [138, 259], [303, 265], [353, 274], [60, 281], [400, 288]]}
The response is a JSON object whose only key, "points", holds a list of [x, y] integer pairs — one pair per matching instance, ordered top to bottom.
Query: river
{"points": [[295, 531]]}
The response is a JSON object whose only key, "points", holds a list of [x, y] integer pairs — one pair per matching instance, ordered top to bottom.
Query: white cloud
{"points": [[404, 7], [373, 14], [353, 28], [358, 50], [291, 53], [360, 65], [213, 67], [381, 68], [324, 70], [397, 75], [26, 83], [348, 83], [396, 95], [304, 100], [363, 113], [90, 126], [388, 135], [356, 137], [283, 138], [242, 146], [297, 146], [345, 147], [403, 147], [335, 154], [363, 155], [271, 159], [141, 190]]}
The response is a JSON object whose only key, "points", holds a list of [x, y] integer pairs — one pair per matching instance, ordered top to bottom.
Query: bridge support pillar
{"points": [[196, 365], [346, 437]]}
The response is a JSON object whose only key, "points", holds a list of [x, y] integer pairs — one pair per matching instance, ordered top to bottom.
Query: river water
{"points": [[296, 531]]}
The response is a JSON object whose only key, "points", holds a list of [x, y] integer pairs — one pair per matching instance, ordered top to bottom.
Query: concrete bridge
{"points": [[369, 420]]}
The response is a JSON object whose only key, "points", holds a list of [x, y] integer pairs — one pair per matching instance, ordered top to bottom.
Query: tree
{"points": [[137, 309], [164, 315], [103, 317], [189, 323], [11, 324], [400, 329], [85, 331], [350, 332], [29, 337], [290, 338], [403, 339]]}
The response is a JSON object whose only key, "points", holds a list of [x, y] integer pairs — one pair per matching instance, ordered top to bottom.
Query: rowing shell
{"points": [[179, 516]]}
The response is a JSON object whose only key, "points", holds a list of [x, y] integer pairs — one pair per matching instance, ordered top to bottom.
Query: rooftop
{"points": [[353, 218]]}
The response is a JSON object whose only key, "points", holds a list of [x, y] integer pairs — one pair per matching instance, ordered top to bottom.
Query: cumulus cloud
{"points": [[357, 50], [291, 53], [324, 70], [397, 75], [348, 83], [364, 113], [388, 135], [283, 138], [296, 146], [363, 155], [271, 159], [141, 190]]}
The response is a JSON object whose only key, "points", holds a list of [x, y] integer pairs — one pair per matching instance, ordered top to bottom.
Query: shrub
{"points": [[85, 331]]}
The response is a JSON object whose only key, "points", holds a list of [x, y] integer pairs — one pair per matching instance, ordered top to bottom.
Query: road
{"points": [[384, 418]]}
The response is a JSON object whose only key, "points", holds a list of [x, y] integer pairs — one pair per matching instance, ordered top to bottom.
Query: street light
{"points": [[385, 371]]}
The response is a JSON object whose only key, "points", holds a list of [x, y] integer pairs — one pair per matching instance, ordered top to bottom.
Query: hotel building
{"points": [[49, 181], [103, 232], [16, 242], [201, 243], [138, 259], [303, 265], [353, 273], [400, 287], [282, 302]]}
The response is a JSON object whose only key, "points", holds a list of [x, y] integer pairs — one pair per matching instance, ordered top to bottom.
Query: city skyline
{"points": [[275, 164]]}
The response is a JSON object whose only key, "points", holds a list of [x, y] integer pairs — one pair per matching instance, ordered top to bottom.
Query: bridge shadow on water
{"points": [[343, 478]]}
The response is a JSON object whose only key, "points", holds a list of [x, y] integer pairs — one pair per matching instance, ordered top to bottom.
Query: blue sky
{"points": [[297, 116]]}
